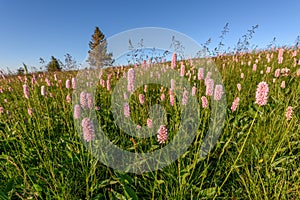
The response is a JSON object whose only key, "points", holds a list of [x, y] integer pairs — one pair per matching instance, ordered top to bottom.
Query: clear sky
{"points": [[34, 28]]}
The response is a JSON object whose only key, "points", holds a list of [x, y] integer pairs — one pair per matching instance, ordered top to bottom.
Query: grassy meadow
{"points": [[257, 156]]}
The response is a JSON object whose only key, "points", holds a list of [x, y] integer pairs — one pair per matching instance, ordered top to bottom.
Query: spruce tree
{"points": [[98, 56], [53, 65]]}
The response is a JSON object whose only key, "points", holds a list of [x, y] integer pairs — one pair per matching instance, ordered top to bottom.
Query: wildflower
{"points": [[174, 58], [254, 67], [182, 70], [268, 70], [285, 71], [298, 72], [200, 73], [277, 73], [242, 75], [131, 80], [48, 81], [74, 83], [68, 84], [172, 84], [282, 84], [209, 87], [239, 87], [145, 88], [43, 90], [194, 90], [26, 91], [218, 92], [262, 93], [162, 97], [68, 98], [172, 98], [185, 98], [141, 99], [83, 100], [204, 102], [90, 103], [235, 104], [1, 109], [126, 110], [30, 111], [77, 111], [289, 112], [149, 123], [88, 129], [162, 134]]}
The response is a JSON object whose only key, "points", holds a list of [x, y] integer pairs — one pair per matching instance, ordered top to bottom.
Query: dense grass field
{"points": [[44, 156]]}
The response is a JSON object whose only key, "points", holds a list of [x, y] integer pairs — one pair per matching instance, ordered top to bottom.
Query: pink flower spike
{"points": [[262, 94], [289, 112], [88, 129], [162, 134]]}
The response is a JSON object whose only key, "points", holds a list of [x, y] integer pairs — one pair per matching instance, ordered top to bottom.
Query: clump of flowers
{"points": [[262, 94]]}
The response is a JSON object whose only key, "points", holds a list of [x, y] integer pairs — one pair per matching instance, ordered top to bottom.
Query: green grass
{"points": [[256, 157]]}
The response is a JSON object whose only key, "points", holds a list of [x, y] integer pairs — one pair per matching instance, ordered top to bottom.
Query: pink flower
{"points": [[174, 59], [254, 67], [182, 70], [268, 70], [298, 72], [200, 73], [277, 73], [242, 75], [130, 80], [48, 81], [74, 83], [68, 84], [108, 84], [172, 84], [282, 84], [209, 86], [239, 87], [145, 88], [194, 90], [26, 91], [43, 91], [218, 92], [262, 93], [162, 97], [185, 97], [68, 98], [172, 98], [141, 99], [83, 100], [90, 102], [204, 102], [235, 104], [1, 110], [126, 110], [77, 111], [30, 112], [289, 112], [149, 123], [88, 129], [162, 134]]}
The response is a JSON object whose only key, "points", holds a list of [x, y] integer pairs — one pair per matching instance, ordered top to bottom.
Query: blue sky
{"points": [[32, 29]]}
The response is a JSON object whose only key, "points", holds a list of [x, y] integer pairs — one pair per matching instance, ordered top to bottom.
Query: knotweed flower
{"points": [[174, 59], [254, 67], [182, 70], [268, 70], [285, 71], [298, 72], [200, 73], [277, 73], [242, 75], [131, 80], [48, 82], [74, 83], [68, 84], [108, 84], [172, 84], [282, 84], [209, 87], [239, 87], [145, 88], [43, 90], [194, 90], [26, 91], [218, 92], [262, 93], [162, 97], [185, 97], [68, 98], [172, 98], [141, 99], [83, 100], [90, 102], [204, 102], [235, 104], [1, 110], [126, 110], [77, 111], [30, 112], [289, 112], [149, 123], [88, 129], [162, 134]]}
